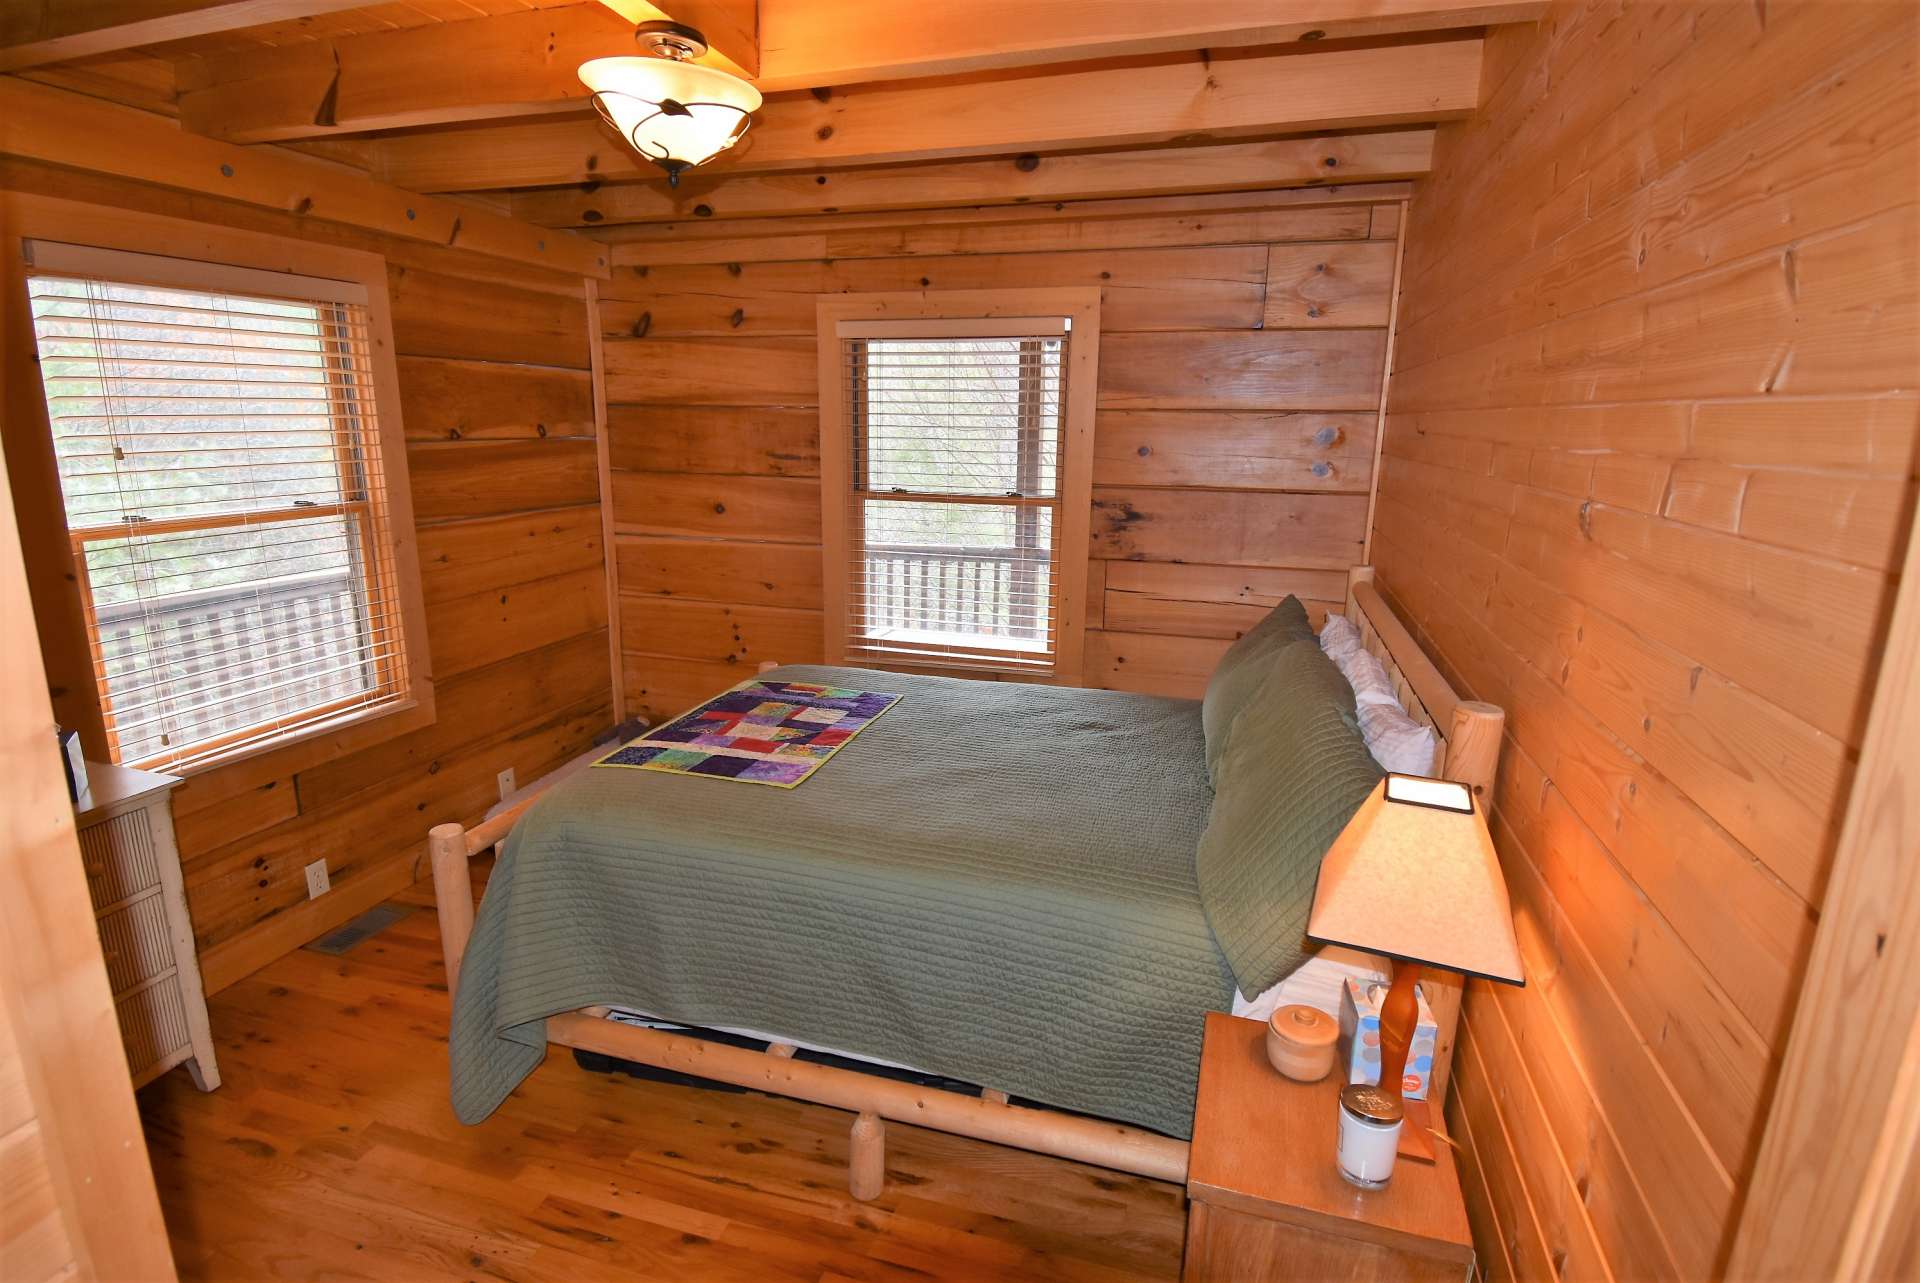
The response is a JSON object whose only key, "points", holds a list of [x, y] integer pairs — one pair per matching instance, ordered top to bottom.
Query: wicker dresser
{"points": [[140, 901]]}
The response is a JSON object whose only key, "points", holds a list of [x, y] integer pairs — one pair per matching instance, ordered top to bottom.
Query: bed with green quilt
{"points": [[1040, 889]]}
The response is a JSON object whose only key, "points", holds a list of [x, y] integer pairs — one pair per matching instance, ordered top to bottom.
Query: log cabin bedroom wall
{"points": [[1586, 332], [1243, 343], [497, 401], [1647, 483]]}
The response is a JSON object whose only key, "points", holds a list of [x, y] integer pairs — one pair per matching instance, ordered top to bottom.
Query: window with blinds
{"points": [[953, 435], [219, 458]]}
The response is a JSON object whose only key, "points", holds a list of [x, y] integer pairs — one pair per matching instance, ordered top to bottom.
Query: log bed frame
{"points": [[1469, 733]]}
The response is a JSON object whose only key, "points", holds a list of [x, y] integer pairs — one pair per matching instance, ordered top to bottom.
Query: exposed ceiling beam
{"points": [[36, 32], [804, 43], [524, 63], [514, 64], [441, 72], [131, 77], [1184, 98], [51, 125], [1348, 158], [1062, 215], [1217, 218]]}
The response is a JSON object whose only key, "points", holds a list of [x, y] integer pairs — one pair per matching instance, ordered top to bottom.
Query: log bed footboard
{"points": [[1470, 734]]}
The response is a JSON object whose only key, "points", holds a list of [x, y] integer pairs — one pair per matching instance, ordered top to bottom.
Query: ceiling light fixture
{"points": [[672, 112]]}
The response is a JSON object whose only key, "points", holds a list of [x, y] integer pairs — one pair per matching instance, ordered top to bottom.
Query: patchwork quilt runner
{"points": [[763, 732]]}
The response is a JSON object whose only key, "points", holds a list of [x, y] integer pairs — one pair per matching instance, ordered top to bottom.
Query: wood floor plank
{"points": [[331, 1152]]}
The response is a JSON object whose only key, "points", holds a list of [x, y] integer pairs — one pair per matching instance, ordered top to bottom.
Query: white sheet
{"points": [[1317, 983]]}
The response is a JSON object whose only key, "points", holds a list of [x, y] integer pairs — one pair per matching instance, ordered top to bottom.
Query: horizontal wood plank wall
{"points": [[1241, 362], [497, 404], [1649, 460]]}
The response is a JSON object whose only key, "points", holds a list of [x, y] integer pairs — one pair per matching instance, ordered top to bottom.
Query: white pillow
{"points": [[1367, 675], [1396, 741]]}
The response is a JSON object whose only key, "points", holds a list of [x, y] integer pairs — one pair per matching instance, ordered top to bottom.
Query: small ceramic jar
{"points": [[1300, 1043], [1370, 1122]]}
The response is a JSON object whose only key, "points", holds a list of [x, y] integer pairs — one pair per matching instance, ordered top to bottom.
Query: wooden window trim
{"points": [[241, 261], [970, 314]]}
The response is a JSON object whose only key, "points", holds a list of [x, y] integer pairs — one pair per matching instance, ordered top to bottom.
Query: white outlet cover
{"points": [[507, 783], [318, 883]]}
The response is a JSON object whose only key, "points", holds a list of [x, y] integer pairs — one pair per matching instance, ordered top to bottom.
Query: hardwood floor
{"points": [[331, 1154]]}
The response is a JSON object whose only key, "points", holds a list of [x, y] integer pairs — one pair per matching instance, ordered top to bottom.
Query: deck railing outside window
{"points": [[976, 592], [238, 656]]}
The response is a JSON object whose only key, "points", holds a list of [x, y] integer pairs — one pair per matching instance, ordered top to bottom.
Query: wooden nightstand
{"points": [[1267, 1203]]}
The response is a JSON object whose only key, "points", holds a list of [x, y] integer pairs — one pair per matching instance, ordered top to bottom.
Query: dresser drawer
{"points": [[120, 858], [132, 867], [136, 941], [153, 1024]]}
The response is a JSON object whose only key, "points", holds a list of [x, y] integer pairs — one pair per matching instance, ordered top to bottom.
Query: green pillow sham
{"points": [[1244, 666], [1293, 770]]}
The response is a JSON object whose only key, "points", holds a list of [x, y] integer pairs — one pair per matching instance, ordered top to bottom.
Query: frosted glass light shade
{"points": [[676, 114], [1419, 882]]}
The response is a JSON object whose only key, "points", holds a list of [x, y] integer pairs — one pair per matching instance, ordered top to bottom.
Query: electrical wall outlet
{"points": [[507, 784], [318, 883]]}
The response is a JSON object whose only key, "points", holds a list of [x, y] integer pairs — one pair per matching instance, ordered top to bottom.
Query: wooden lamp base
{"points": [[1399, 1016]]}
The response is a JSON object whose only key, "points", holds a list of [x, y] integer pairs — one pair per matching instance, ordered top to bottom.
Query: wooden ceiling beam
{"points": [[34, 33], [804, 43], [513, 64], [524, 64], [478, 69], [1183, 98], [60, 128], [1295, 162], [1215, 218]]}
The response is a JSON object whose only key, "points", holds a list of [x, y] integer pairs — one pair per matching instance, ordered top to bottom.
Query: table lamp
{"points": [[1414, 876]]}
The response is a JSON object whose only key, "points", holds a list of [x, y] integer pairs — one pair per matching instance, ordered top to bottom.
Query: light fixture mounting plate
{"points": [[674, 40]]}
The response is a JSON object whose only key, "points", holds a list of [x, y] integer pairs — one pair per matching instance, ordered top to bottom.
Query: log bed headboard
{"points": [[1469, 732]]}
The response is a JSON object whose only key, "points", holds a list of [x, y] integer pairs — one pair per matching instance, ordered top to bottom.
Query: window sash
{"points": [[378, 619], [1021, 634], [278, 648]]}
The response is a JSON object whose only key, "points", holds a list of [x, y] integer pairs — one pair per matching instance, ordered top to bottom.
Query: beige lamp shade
{"points": [[676, 114], [1419, 881]]}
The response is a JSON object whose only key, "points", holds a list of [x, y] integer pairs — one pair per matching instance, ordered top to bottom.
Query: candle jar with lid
{"points": [[1369, 1136]]}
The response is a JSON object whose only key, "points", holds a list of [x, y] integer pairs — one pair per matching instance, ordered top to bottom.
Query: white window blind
{"points": [[219, 462], [953, 517]]}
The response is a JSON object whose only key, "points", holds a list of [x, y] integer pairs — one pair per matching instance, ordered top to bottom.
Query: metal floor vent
{"points": [[371, 923]]}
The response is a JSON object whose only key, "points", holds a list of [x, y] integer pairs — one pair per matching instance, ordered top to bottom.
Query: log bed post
{"points": [[1473, 746], [449, 847], [452, 895], [867, 1157]]}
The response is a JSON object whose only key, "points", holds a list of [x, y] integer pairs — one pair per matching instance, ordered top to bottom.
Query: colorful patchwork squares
{"points": [[762, 732]]}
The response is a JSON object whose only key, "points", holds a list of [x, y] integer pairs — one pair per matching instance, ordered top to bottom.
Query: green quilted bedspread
{"points": [[995, 881]]}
